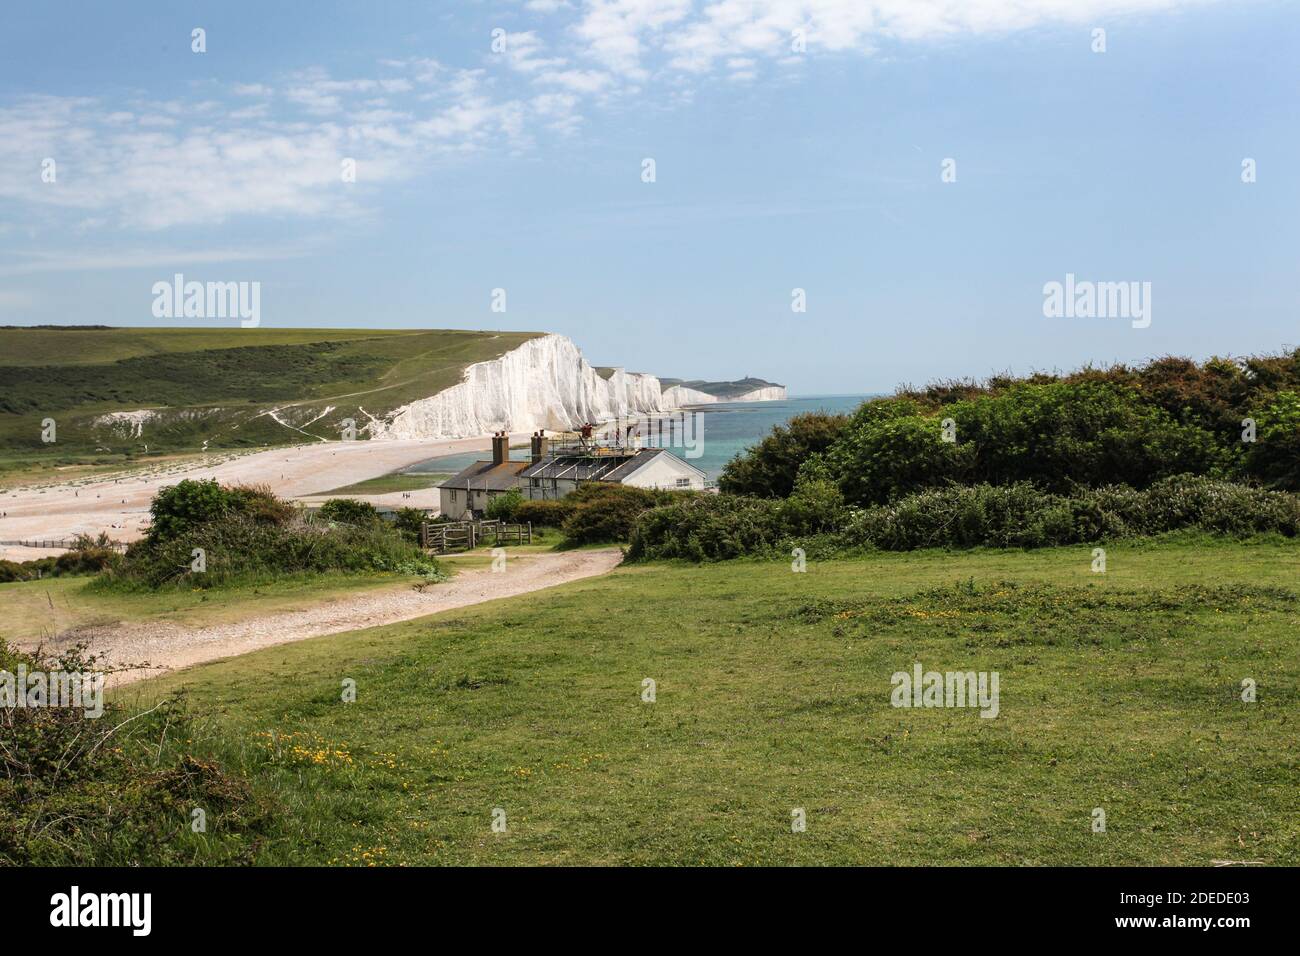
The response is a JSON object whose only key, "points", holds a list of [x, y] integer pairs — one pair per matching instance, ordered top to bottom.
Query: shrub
{"points": [[1055, 434], [1275, 454], [768, 469], [260, 504], [503, 507], [815, 507], [178, 508], [348, 511], [606, 512], [544, 513], [1018, 515], [1023, 516], [409, 522], [708, 528], [244, 547], [86, 556], [85, 791]]}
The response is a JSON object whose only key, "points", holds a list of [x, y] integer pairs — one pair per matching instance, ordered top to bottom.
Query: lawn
{"points": [[1119, 691]]}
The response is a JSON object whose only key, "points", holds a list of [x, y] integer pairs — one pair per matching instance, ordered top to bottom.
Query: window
{"points": [[683, 482], [454, 493]]}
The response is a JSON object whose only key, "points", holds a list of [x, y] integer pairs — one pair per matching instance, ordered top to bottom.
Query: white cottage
{"points": [[553, 474]]}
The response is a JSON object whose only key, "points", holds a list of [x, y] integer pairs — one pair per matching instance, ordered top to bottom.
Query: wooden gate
{"points": [[443, 537]]}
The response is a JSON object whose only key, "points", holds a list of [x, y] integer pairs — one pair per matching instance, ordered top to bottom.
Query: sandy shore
{"points": [[119, 505]]}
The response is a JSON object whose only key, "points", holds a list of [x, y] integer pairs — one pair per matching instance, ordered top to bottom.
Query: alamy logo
{"points": [[179, 299], [1098, 300], [922, 688], [72, 689], [103, 909]]}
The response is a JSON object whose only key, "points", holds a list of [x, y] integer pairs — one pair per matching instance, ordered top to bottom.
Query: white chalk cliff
{"points": [[544, 383], [680, 395]]}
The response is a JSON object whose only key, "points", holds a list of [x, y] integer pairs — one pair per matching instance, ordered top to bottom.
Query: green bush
{"points": [[1054, 434], [1275, 454], [768, 469], [259, 503], [502, 507], [178, 508], [348, 511], [606, 512], [544, 513], [1018, 515], [1023, 516], [408, 522], [709, 528], [254, 539], [238, 549], [86, 556], [79, 790]]}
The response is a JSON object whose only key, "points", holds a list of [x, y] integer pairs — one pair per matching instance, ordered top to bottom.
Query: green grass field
{"points": [[216, 385], [387, 484], [1119, 691]]}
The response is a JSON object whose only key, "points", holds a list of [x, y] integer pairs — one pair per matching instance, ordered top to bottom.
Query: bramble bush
{"points": [[1093, 427], [768, 469], [502, 507], [348, 511], [607, 512], [544, 513], [1017, 515], [253, 540], [86, 556], [77, 790]]}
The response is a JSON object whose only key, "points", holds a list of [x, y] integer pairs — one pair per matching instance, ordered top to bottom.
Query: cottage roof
{"points": [[484, 475]]}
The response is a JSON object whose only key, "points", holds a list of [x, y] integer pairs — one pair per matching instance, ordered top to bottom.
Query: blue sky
{"points": [[775, 169]]}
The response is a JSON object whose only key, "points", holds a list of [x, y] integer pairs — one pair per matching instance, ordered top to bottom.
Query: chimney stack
{"points": [[541, 445], [500, 448]]}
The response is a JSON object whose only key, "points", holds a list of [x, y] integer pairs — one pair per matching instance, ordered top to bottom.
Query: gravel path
{"points": [[165, 646]]}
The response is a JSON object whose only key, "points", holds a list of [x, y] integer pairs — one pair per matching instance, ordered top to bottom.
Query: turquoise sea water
{"points": [[726, 430]]}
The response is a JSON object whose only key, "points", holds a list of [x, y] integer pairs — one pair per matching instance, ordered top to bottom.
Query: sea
{"points": [[724, 431]]}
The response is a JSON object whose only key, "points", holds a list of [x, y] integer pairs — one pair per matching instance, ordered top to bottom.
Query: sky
{"points": [[920, 169]]}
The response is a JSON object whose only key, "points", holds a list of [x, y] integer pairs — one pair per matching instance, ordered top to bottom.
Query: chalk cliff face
{"points": [[545, 383], [680, 395]]}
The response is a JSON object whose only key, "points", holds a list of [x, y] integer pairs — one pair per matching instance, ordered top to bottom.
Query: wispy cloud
{"points": [[276, 146], [37, 262]]}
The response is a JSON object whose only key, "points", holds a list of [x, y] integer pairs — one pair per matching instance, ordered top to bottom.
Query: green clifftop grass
{"points": [[215, 385], [1118, 690]]}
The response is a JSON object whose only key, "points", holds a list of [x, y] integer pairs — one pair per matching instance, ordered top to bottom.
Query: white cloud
{"points": [[634, 37], [275, 148], [163, 164], [36, 262]]}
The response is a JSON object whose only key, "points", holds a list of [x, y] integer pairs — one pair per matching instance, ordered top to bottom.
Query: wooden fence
{"points": [[447, 536], [64, 544]]}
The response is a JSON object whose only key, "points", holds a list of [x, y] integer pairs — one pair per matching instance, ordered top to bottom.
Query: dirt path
{"points": [[166, 646]]}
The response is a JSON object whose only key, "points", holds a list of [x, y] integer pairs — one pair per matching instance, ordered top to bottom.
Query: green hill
{"points": [[226, 388], [721, 389]]}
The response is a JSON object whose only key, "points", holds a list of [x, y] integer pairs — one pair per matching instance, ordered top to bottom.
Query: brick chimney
{"points": [[541, 444], [500, 448]]}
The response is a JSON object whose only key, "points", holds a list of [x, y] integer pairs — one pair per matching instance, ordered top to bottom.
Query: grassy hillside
{"points": [[217, 386], [1118, 690]]}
